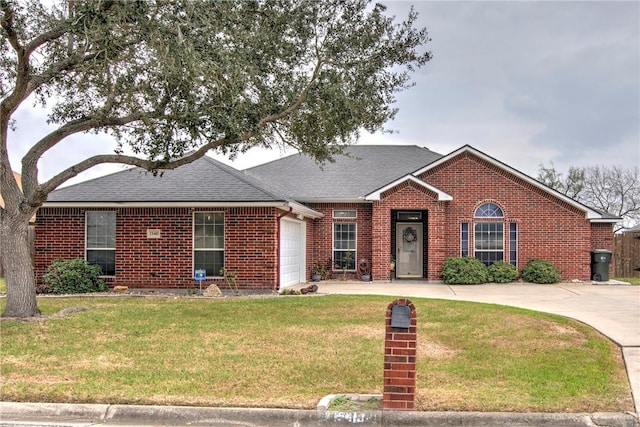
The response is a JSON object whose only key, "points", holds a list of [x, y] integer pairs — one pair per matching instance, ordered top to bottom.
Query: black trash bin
{"points": [[600, 259]]}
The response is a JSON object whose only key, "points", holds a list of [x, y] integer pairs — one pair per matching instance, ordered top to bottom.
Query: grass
{"points": [[3, 285], [292, 351]]}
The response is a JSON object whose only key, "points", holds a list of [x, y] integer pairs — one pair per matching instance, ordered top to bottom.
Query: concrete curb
{"points": [[64, 414]]}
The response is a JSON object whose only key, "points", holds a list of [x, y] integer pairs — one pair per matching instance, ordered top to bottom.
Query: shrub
{"points": [[464, 271], [540, 271], [502, 272], [73, 277]]}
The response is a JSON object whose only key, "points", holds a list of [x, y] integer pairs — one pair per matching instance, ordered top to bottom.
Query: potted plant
{"points": [[392, 263], [318, 271], [364, 271]]}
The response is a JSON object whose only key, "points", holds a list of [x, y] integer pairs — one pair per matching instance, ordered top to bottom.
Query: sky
{"points": [[528, 83]]}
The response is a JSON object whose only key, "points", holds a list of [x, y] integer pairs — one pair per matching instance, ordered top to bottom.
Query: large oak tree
{"points": [[171, 80]]}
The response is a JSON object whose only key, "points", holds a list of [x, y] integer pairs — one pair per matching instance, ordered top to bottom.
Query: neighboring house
{"points": [[269, 224]]}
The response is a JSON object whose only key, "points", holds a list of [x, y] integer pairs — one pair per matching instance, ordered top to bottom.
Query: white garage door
{"points": [[292, 252]]}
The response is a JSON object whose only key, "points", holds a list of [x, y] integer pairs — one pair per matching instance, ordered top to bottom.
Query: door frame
{"points": [[423, 219]]}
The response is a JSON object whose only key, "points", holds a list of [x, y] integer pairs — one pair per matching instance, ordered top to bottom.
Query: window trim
{"points": [[193, 240], [333, 245], [105, 249]]}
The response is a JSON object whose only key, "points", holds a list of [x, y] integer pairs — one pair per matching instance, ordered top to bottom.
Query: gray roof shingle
{"points": [[368, 168], [204, 180]]}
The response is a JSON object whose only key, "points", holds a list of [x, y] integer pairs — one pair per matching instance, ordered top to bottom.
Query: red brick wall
{"points": [[408, 196], [548, 228], [320, 235], [602, 238], [251, 245]]}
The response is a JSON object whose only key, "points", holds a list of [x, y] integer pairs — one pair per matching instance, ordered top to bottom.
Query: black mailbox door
{"points": [[401, 317]]}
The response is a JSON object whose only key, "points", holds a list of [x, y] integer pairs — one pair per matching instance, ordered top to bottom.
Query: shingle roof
{"points": [[368, 168], [204, 180]]}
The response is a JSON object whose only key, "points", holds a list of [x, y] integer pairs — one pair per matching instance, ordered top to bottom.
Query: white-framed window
{"points": [[345, 213], [488, 236], [100, 240], [208, 242], [344, 245]]}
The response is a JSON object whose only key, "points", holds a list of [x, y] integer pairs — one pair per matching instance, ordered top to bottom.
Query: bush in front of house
{"points": [[464, 271], [540, 271], [502, 272], [73, 276]]}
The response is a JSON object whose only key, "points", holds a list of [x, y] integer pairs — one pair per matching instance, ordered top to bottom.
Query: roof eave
{"points": [[442, 196], [332, 200], [143, 204], [294, 207], [589, 213], [606, 220]]}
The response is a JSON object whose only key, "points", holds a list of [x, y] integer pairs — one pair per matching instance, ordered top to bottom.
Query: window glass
{"points": [[489, 210], [344, 213], [409, 216], [464, 239], [101, 241], [208, 242], [489, 242], [513, 244], [344, 245]]}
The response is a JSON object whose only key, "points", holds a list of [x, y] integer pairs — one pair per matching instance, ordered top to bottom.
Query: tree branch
{"points": [[7, 24], [43, 38], [19, 94], [301, 98], [30, 160], [150, 165]]}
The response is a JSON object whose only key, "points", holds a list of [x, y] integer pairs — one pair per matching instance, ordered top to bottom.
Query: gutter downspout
{"points": [[277, 282]]}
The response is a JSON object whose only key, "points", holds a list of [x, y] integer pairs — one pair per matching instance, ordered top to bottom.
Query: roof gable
{"points": [[442, 196], [590, 213]]}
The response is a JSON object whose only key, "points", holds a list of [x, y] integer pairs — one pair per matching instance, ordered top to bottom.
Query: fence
{"points": [[626, 255]]}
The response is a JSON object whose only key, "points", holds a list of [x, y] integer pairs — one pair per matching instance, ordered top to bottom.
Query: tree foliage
{"points": [[167, 78], [612, 189]]}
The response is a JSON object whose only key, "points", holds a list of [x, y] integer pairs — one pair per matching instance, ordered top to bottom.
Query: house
{"points": [[268, 224]]}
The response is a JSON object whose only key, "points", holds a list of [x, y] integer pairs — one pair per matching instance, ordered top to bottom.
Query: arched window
{"points": [[489, 210], [489, 235]]}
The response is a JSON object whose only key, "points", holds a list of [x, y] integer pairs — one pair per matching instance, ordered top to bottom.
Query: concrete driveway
{"points": [[614, 310]]}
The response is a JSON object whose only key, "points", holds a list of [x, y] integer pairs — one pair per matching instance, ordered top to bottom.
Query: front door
{"points": [[409, 249]]}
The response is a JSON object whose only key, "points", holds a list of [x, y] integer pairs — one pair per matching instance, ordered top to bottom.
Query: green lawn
{"points": [[3, 286], [291, 351]]}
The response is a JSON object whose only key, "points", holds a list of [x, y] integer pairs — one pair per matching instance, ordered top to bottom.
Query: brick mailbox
{"points": [[400, 343]]}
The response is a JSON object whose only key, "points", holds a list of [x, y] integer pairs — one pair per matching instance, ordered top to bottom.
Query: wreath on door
{"points": [[409, 235]]}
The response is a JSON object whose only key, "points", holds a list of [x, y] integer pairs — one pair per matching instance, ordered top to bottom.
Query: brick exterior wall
{"points": [[547, 228], [320, 235], [251, 245]]}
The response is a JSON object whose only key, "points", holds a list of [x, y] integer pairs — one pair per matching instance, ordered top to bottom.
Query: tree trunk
{"points": [[17, 265]]}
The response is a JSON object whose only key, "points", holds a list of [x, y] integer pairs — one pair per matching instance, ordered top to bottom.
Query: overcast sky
{"points": [[525, 82]]}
